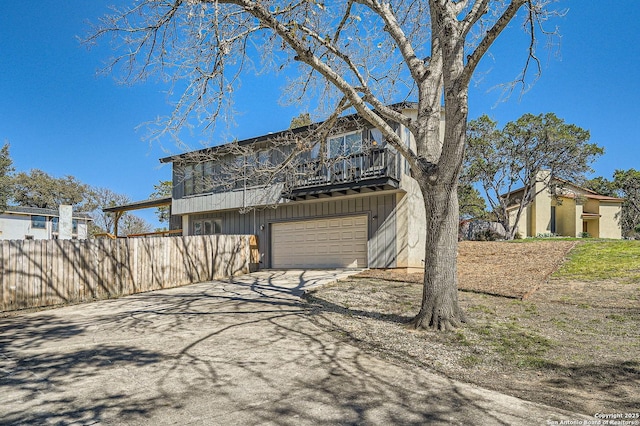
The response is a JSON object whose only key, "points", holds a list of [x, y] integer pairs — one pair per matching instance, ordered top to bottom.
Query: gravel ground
{"points": [[572, 345]]}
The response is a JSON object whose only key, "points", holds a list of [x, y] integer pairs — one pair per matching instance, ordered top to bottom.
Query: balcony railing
{"points": [[368, 167]]}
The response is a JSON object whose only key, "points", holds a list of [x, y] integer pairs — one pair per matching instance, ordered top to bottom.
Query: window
{"points": [[375, 136], [407, 142], [345, 145], [315, 151], [264, 158], [207, 177], [198, 178], [188, 180], [38, 222], [54, 224], [207, 226]]}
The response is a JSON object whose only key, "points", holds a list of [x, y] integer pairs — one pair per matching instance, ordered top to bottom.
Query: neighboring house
{"points": [[362, 211], [572, 211], [32, 223]]}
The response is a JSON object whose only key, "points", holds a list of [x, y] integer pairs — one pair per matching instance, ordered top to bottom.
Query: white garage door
{"points": [[339, 242]]}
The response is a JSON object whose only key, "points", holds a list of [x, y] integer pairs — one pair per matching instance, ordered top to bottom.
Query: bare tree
{"points": [[358, 55], [101, 198], [104, 222], [131, 225]]}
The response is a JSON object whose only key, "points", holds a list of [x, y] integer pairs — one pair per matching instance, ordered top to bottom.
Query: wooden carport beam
{"points": [[146, 204], [115, 224]]}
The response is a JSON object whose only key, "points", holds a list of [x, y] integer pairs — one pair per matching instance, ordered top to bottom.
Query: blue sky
{"points": [[60, 116]]}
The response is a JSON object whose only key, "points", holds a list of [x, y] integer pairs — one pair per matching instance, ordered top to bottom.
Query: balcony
{"points": [[375, 170]]}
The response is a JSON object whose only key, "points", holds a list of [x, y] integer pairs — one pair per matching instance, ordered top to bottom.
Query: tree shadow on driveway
{"points": [[216, 353], [38, 368]]}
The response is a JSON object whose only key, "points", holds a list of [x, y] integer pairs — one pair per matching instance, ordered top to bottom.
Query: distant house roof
{"points": [[397, 106], [587, 193], [594, 196], [138, 205], [43, 212]]}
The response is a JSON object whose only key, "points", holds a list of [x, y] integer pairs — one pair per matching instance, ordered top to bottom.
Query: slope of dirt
{"points": [[514, 270]]}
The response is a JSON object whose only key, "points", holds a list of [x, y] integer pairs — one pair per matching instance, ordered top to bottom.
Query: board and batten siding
{"points": [[380, 209]]}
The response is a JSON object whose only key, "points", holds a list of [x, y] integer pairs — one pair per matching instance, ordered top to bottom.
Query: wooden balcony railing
{"points": [[357, 168]]}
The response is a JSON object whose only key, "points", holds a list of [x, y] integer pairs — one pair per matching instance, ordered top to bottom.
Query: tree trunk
{"points": [[440, 309]]}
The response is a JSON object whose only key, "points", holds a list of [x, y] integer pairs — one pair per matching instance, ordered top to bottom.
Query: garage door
{"points": [[339, 242]]}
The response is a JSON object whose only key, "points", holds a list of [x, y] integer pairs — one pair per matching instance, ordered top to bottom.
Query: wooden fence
{"points": [[37, 273]]}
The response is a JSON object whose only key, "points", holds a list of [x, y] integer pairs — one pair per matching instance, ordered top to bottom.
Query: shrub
{"points": [[488, 235], [546, 235]]}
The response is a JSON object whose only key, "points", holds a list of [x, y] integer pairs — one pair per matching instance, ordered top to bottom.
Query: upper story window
{"points": [[376, 138], [345, 145], [264, 158], [226, 173], [198, 178], [38, 222]]}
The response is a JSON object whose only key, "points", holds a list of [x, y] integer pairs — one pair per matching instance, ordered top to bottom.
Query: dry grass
{"points": [[574, 345]]}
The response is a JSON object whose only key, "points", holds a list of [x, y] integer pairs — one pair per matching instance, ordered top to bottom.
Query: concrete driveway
{"points": [[243, 352]]}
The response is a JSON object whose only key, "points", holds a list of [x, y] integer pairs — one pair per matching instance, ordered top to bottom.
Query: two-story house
{"points": [[354, 206], [569, 210], [32, 223]]}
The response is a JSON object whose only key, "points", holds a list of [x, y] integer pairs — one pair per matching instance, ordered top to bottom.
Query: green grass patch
{"points": [[546, 239], [603, 259], [481, 308], [616, 317], [515, 344], [471, 361]]}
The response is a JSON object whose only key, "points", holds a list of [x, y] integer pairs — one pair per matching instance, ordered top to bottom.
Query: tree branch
{"points": [[474, 58], [419, 71]]}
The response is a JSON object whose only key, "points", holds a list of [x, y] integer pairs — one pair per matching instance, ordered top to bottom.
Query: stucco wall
{"points": [[591, 206], [565, 217], [542, 218], [609, 223], [411, 226], [16, 227], [523, 227]]}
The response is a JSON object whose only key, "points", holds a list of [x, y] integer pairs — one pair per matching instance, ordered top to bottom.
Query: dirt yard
{"points": [[569, 344]]}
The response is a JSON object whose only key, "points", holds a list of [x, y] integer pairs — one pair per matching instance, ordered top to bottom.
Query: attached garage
{"points": [[337, 242]]}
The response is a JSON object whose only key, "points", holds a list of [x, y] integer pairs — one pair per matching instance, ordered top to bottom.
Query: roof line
{"points": [[268, 136]]}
